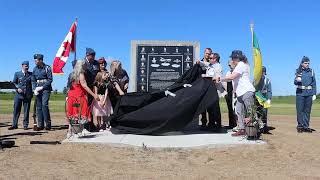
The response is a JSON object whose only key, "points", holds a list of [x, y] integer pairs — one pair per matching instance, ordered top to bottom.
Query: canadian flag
{"points": [[67, 46]]}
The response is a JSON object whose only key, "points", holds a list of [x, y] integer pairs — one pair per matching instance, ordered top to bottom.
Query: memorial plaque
{"points": [[156, 65]]}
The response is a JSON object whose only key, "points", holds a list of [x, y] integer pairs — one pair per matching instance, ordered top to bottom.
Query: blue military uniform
{"points": [[92, 68], [42, 77], [22, 80], [264, 87], [306, 89]]}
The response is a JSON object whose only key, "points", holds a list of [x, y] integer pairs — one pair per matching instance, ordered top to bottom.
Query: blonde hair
{"points": [[115, 68], [77, 70], [99, 80]]}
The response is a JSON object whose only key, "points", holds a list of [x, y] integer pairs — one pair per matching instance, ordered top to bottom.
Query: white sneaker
{"points": [[236, 129], [84, 132]]}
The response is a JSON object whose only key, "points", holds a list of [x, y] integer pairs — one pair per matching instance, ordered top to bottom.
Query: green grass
{"points": [[56, 103], [281, 105]]}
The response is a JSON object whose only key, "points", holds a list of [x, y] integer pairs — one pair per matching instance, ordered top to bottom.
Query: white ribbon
{"points": [[187, 85], [169, 93]]}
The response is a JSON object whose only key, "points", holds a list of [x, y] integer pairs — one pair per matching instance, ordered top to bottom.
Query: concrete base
{"points": [[172, 140]]}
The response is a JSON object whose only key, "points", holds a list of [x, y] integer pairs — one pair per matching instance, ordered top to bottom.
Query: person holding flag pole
{"points": [[262, 84]]}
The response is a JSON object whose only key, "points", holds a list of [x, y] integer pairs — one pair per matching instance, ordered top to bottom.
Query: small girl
{"points": [[103, 108]]}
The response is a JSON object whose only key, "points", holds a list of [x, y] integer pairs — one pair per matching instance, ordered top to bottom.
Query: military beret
{"points": [[90, 51], [38, 56], [305, 59], [25, 63], [264, 69]]}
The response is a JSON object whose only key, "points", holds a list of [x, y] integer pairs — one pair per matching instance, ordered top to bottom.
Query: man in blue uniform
{"points": [[92, 68], [22, 80], [41, 85], [264, 87], [306, 92]]}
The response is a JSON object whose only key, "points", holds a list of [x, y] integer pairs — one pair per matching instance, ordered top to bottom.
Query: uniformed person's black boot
{"points": [[300, 130], [307, 130]]}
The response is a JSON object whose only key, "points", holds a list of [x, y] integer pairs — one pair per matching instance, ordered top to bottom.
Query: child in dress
{"points": [[103, 108]]}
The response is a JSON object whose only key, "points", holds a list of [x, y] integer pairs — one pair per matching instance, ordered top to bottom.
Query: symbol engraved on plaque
{"points": [[143, 50], [177, 50], [143, 58], [188, 58], [154, 63], [175, 65], [188, 66]]}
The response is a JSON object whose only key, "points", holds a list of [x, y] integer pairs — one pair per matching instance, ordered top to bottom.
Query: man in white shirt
{"points": [[243, 88]]}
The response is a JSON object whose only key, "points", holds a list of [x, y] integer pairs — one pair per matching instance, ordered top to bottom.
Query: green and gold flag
{"points": [[257, 59]]}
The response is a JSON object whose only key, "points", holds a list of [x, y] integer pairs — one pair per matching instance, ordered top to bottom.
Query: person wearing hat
{"points": [[92, 68], [22, 80], [41, 85], [264, 87], [243, 88], [305, 93]]}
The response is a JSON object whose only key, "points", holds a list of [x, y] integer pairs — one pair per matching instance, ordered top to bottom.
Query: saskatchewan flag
{"points": [[257, 59], [262, 100]]}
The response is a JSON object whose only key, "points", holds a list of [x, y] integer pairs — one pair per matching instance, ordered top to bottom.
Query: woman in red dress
{"points": [[77, 102]]}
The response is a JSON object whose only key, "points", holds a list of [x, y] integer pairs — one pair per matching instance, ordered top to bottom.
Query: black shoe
{"points": [[12, 128], [25, 128], [38, 128], [48, 128], [203, 128], [299, 130], [307, 130]]}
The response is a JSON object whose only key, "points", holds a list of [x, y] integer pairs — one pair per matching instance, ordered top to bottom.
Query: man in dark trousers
{"points": [[204, 63], [92, 68], [22, 80], [41, 85], [229, 99], [213, 111]]}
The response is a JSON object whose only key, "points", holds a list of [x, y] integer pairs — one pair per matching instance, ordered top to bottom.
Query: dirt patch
{"points": [[288, 155]]}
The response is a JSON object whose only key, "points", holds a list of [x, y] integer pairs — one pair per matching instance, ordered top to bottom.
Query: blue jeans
{"points": [[18, 101], [303, 106], [43, 112]]}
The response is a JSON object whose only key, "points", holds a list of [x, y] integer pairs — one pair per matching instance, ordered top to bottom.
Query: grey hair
{"points": [[115, 67], [77, 70]]}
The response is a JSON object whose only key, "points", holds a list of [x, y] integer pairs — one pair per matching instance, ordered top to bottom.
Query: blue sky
{"points": [[287, 30]]}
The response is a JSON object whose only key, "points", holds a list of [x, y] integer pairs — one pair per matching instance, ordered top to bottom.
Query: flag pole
{"points": [[251, 28], [75, 40]]}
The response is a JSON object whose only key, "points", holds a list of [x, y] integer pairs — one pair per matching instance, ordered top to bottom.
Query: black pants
{"points": [[231, 113], [262, 113], [214, 116], [90, 125]]}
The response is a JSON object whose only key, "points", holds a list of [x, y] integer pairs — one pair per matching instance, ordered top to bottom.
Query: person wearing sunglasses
{"points": [[305, 93]]}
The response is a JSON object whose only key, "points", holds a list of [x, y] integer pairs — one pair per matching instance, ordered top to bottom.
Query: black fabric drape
{"points": [[154, 113]]}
